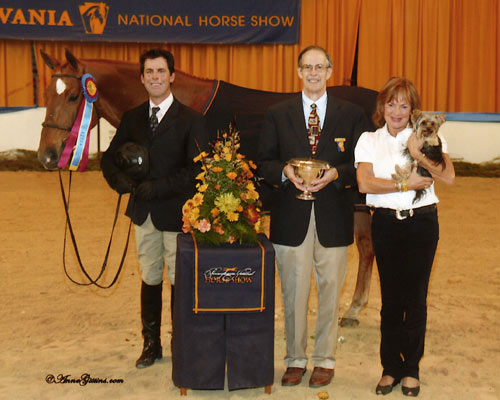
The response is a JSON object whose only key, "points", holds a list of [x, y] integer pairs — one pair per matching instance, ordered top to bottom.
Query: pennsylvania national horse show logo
{"points": [[94, 16], [227, 275]]}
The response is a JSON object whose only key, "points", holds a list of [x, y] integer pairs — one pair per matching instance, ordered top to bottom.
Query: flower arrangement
{"points": [[226, 207]]}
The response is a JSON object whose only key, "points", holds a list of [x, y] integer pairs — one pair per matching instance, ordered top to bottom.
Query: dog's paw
{"points": [[403, 172]]}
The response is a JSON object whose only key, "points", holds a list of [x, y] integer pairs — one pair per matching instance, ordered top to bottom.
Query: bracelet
{"points": [[421, 158], [405, 188]]}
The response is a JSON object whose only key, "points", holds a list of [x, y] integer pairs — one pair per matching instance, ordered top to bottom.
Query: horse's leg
{"points": [[362, 234]]}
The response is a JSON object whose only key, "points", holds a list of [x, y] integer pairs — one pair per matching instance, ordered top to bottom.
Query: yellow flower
{"points": [[200, 156], [232, 175], [253, 195], [198, 199], [226, 202], [188, 205], [229, 209], [232, 216]]}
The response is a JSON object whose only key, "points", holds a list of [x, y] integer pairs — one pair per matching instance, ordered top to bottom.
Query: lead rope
{"points": [[75, 247]]}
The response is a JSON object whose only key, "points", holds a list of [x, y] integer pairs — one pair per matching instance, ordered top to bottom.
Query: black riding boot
{"points": [[151, 302]]}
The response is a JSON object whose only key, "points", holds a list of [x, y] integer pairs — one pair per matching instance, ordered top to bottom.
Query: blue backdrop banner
{"points": [[172, 21]]}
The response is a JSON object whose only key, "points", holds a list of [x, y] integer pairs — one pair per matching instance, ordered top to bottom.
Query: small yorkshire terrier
{"points": [[426, 126]]}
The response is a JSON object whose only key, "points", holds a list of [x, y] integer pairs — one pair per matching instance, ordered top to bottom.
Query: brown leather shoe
{"points": [[292, 376], [321, 377]]}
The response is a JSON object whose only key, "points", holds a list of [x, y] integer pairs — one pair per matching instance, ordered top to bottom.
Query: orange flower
{"points": [[200, 156], [217, 169], [232, 175], [251, 214]]}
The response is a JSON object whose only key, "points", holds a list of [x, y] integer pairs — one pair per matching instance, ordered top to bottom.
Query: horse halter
{"points": [[46, 124]]}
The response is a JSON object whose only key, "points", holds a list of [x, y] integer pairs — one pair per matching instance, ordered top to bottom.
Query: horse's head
{"points": [[63, 98]]}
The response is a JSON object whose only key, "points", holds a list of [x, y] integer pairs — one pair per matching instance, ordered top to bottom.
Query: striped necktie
{"points": [[313, 129]]}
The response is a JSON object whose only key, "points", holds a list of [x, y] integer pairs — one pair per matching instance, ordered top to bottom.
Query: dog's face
{"points": [[426, 125]]}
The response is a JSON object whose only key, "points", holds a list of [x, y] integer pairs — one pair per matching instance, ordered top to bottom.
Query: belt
{"points": [[403, 214]]}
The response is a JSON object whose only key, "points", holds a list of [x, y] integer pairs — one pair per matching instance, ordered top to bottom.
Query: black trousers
{"points": [[404, 250]]}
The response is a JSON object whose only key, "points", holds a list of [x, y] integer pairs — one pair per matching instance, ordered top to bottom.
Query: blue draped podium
{"points": [[223, 315]]}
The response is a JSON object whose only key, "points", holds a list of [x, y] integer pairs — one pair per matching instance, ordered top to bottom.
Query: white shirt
{"points": [[164, 106], [320, 108], [384, 151]]}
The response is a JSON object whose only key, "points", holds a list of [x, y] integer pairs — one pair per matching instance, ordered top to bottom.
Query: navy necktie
{"points": [[153, 120]]}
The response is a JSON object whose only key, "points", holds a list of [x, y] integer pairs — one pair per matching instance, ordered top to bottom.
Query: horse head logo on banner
{"points": [[94, 16]]}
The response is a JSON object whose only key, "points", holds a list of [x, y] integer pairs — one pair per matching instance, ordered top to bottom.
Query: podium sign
{"points": [[233, 333]]}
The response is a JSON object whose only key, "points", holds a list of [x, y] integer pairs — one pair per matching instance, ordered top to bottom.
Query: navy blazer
{"points": [[283, 137], [171, 168]]}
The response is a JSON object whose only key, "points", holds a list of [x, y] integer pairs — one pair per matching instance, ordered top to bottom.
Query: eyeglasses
{"points": [[318, 67]]}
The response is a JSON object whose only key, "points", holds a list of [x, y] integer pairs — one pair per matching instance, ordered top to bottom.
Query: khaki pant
{"points": [[155, 249], [295, 267]]}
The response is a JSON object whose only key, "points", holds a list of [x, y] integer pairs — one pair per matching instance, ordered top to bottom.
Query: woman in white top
{"points": [[405, 234]]}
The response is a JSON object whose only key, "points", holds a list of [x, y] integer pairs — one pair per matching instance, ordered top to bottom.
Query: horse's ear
{"points": [[71, 59], [51, 62]]}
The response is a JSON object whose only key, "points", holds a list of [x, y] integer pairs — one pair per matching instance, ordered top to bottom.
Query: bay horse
{"points": [[120, 89]]}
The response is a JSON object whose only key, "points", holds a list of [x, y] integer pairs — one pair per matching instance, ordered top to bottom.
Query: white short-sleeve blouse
{"points": [[384, 151]]}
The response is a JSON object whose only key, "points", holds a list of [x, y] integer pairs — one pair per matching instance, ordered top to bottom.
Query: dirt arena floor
{"points": [[50, 326]]}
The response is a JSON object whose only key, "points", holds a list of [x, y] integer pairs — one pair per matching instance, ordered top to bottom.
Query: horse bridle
{"points": [[46, 124], [70, 227]]}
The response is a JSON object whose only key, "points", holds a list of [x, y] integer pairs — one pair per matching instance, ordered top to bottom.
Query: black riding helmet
{"points": [[133, 160]]}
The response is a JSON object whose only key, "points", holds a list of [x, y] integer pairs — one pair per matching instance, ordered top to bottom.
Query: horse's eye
{"points": [[73, 98]]}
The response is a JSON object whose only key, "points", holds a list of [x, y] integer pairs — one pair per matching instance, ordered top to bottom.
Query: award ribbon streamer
{"points": [[79, 136]]}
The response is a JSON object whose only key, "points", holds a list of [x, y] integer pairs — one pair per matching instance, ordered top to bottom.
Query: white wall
{"points": [[21, 130], [473, 142]]}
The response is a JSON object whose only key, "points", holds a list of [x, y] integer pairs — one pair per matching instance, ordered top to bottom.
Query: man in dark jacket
{"points": [[170, 132], [311, 235]]}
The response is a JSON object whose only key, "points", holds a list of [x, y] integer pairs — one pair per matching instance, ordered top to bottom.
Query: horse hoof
{"points": [[349, 322]]}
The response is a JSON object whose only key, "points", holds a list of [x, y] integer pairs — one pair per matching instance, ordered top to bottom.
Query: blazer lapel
{"points": [[296, 114], [168, 119], [328, 131]]}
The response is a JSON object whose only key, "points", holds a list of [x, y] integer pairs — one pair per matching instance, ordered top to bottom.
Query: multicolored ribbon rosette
{"points": [[78, 141]]}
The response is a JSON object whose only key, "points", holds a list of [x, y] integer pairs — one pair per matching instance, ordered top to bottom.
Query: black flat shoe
{"points": [[386, 389], [410, 391]]}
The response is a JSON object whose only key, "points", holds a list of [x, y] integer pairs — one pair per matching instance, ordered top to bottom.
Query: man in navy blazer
{"points": [[171, 133], [311, 236]]}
